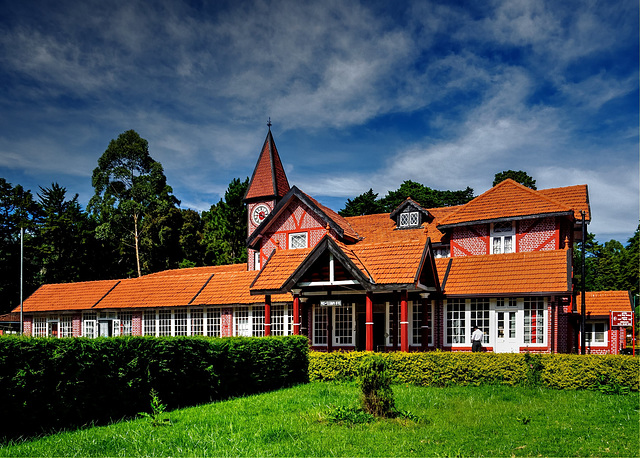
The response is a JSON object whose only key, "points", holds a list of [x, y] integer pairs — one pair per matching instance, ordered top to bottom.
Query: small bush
{"points": [[375, 384]]}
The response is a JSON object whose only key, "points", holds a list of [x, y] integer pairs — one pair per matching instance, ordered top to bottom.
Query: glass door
{"points": [[506, 332]]}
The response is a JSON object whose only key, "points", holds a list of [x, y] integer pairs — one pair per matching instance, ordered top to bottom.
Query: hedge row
{"points": [[559, 371], [59, 383]]}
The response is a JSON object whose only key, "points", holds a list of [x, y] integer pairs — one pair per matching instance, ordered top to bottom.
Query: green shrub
{"points": [[445, 369], [58, 383], [375, 384]]}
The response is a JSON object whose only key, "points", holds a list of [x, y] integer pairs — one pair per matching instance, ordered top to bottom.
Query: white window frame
{"points": [[409, 219], [295, 235], [499, 235], [256, 260], [457, 312], [281, 319], [213, 320], [248, 321], [320, 322], [150, 323], [415, 324], [90, 325], [527, 325], [39, 326], [590, 332], [349, 338]]}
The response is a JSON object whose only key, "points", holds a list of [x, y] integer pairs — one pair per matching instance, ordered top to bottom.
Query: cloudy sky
{"points": [[361, 94]]}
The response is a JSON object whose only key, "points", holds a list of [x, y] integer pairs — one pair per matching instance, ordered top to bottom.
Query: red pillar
{"points": [[296, 314], [267, 315], [369, 321], [404, 321]]}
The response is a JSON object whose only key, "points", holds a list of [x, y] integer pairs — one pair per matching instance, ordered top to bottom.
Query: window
{"points": [[409, 219], [502, 237], [298, 240], [442, 252], [256, 260], [506, 302], [534, 310], [479, 316], [281, 320], [257, 321], [456, 321], [164, 322], [180, 322], [197, 322], [214, 322], [241, 322], [320, 322], [126, 323], [149, 323], [89, 325], [343, 325], [39, 326], [66, 326], [416, 329], [595, 333]]}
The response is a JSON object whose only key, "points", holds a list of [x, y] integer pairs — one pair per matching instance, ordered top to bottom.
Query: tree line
{"points": [[133, 225]]}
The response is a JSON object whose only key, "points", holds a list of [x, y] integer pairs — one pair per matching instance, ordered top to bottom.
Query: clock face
{"points": [[260, 212]]}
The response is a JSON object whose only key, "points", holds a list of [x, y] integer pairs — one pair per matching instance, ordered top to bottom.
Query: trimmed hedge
{"points": [[590, 372], [48, 383]]}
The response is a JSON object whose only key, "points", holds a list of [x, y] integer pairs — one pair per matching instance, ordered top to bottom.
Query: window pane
{"points": [[213, 322], [319, 325], [343, 325], [197, 328]]}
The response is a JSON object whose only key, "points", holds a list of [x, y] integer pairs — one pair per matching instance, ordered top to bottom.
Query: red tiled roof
{"points": [[268, 177], [576, 197], [507, 199], [349, 231], [279, 268], [502, 274], [67, 296], [600, 303]]}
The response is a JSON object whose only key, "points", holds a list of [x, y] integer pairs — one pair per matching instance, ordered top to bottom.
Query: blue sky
{"points": [[361, 94]]}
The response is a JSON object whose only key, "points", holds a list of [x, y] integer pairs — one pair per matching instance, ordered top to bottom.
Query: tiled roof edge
{"points": [[106, 294]]}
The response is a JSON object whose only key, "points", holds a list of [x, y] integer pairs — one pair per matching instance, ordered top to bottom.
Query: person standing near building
{"points": [[476, 339]]}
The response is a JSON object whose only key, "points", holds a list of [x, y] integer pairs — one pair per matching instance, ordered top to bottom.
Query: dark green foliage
{"points": [[518, 176], [367, 203], [364, 204], [225, 227], [609, 266], [58, 383], [375, 384]]}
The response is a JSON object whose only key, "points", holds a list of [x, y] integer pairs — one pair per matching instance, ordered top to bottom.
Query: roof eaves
{"points": [[442, 227]]}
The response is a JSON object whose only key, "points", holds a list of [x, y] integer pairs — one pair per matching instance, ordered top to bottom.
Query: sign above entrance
{"points": [[331, 303], [622, 319]]}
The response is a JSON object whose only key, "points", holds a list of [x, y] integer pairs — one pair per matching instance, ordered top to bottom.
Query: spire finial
{"points": [[269, 123]]}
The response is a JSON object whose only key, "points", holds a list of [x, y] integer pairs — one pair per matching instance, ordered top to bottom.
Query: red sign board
{"points": [[621, 319]]}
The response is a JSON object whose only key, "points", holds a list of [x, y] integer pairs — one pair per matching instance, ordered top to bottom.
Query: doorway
{"points": [[379, 340], [507, 340]]}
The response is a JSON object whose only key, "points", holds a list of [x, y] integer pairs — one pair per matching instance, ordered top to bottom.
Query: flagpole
{"points": [[21, 268]]}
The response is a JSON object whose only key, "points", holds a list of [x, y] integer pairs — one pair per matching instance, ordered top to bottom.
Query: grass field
{"points": [[456, 421]]}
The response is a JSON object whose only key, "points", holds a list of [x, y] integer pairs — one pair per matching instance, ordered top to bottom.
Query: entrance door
{"points": [[104, 328], [52, 329], [506, 332]]}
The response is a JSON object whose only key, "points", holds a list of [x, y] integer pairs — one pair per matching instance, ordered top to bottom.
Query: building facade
{"points": [[415, 279]]}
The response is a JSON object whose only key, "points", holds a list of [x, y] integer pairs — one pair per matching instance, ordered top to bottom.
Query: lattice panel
{"points": [[540, 236], [473, 241]]}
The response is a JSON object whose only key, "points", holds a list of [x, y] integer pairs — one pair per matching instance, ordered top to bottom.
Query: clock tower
{"points": [[267, 186]]}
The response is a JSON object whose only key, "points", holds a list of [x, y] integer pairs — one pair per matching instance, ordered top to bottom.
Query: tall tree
{"points": [[518, 176], [129, 185], [18, 210], [225, 227], [64, 237]]}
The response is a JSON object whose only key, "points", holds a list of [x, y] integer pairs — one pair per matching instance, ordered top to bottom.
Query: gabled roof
{"points": [[268, 179], [507, 200], [336, 222], [373, 265], [285, 267], [529, 273], [600, 303]]}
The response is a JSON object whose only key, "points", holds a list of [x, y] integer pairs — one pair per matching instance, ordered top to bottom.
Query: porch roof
{"points": [[538, 272], [600, 303]]}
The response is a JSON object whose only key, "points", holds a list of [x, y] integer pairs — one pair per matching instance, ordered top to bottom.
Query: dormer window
{"points": [[409, 219], [503, 237]]}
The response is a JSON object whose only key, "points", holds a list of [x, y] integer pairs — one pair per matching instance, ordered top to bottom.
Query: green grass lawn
{"points": [[456, 421]]}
